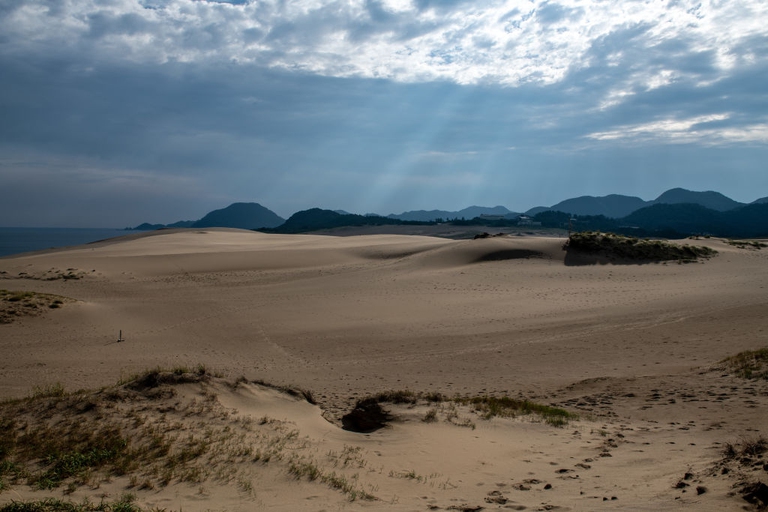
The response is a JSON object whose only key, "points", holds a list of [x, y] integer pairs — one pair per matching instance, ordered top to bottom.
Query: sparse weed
{"points": [[747, 244], [17, 304], [750, 364], [55, 390], [486, 406], [489, 407], [430, 416], [746, 447], [300, 468], [408, 475], [245, 486], [124, 504]]}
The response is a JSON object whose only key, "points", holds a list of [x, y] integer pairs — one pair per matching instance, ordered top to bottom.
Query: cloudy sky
{"points": [[116, 112]]}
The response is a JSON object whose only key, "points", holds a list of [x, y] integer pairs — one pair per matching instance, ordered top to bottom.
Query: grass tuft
{"points": [[747, 244], [17, 304], [750, 364], [55, 390], [486, 406], [490, 406], [747, 447], [302, 468], [123, 504]]}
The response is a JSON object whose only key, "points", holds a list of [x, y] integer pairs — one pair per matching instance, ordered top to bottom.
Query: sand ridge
{"points": [[633, 348]]}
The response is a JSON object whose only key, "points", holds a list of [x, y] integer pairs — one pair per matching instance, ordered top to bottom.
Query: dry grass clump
{"points": [[747, 244], [631, 248], [52, 274], [17, 304], [750, 364], [158, 376], [485, 406], [505, 407], [748, 447], [747, 457], [309, 469], [123, 504]]}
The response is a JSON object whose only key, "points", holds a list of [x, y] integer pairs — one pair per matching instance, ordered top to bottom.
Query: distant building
{"points": [[525, 220]]}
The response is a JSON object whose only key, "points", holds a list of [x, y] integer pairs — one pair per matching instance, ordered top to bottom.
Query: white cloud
{"points": [[507, 42], [689, 130]]}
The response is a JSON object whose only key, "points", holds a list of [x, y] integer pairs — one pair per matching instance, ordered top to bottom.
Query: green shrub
{"points": [[631, 248]]}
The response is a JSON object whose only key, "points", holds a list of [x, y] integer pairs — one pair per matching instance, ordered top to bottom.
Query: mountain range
{"points": [[617, 206], [675, 212], [466, 213]]}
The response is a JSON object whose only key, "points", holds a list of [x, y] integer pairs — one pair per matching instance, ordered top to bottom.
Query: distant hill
{"points": [[709, 199], [760, 201], [614, 206], [537, 210], [478, 211], [467, 213], [236, 215], [241, 215], [423, 215], [682, 218], [315, 219], [672, 221], [749, 221], [181, 224], [146, 227], [149, 227]]}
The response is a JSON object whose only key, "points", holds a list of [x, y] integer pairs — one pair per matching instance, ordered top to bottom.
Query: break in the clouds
{"points": [[180, 106]]}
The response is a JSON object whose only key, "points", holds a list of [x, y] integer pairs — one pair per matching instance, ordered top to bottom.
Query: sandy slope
{"points": [[630, 346]]}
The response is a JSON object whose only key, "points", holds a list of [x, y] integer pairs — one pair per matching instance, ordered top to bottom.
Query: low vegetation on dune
{"points": [[747, 244], [630, 248], [52, 274], [17, 304], [750, 364], [489, 406], [368, 415], [168, 426], [153, 429], [54, 438], [745, 460], [124, 503]]}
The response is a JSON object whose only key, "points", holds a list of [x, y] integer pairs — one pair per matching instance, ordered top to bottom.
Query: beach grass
{"points": [[15, 304], [749, 364]]}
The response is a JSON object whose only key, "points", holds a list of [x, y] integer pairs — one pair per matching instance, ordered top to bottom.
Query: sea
{"points": [[21, 240]]}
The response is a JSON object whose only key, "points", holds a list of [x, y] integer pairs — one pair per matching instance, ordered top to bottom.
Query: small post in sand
{"points": [[120, 336]]}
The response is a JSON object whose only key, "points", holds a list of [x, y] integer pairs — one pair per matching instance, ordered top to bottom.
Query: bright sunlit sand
{"points": [[631, 353]]}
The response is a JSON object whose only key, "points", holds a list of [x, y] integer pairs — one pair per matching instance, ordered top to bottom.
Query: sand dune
{"points": [[634, 349]]}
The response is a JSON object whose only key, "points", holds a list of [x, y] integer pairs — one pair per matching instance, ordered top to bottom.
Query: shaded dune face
{"points": [[471, 252], [508, 254]]}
